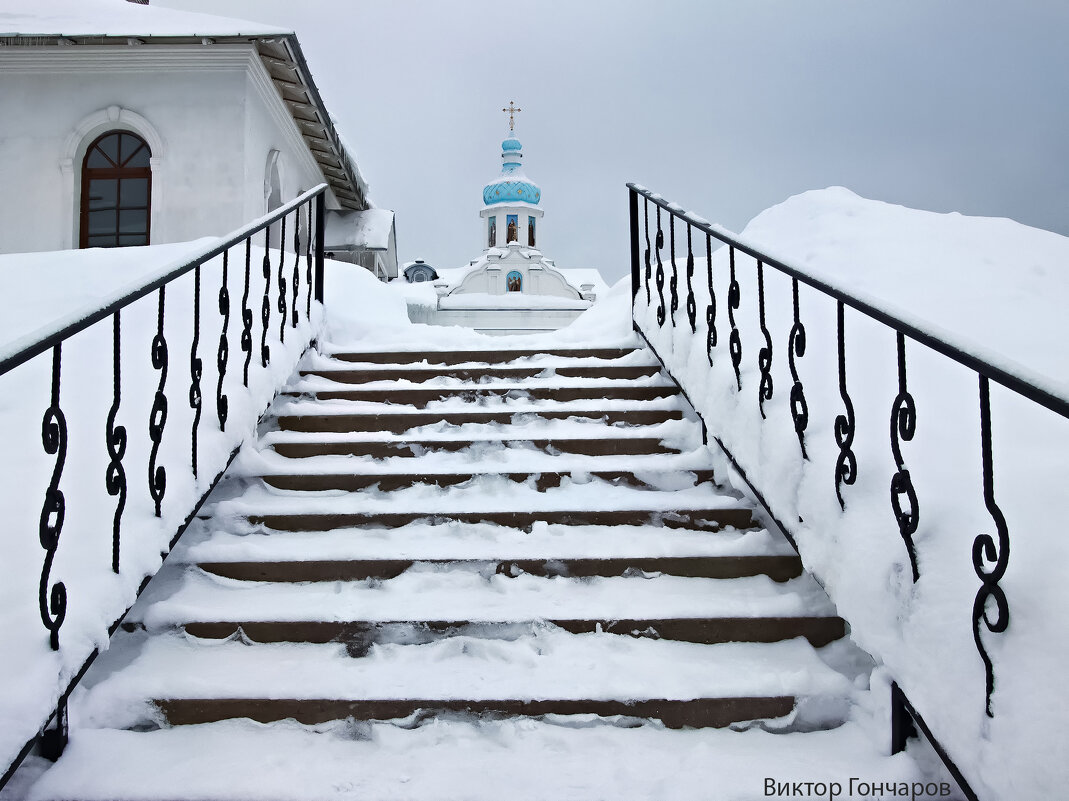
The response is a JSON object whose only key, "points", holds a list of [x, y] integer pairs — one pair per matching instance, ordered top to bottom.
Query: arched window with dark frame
{"points": [[116, 192]]}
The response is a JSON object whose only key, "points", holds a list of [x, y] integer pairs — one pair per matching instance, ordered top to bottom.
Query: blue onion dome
{"points": [[512, 185]]}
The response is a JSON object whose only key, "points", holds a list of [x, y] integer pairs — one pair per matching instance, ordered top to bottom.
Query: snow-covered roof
{"points": [[118, 18], [93, 23], [359, 230]]}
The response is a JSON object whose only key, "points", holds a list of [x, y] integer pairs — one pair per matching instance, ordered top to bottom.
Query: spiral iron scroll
{"points": [[646, 228], [659, 242], [308, 261], [296, 279], [673, 282], [734, 299], [265, 304], [692, 304], [282, 308], [710, 310], [246, 314], [796, 350], [764, 356], [196, 368], [222, 403], [903, 427], [115, 437], [54, 438], [846, 463], [157, 475], [985, 549]]}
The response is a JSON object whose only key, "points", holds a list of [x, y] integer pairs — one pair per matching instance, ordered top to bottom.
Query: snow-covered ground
{"points": [[993, 287], [996, 287]]}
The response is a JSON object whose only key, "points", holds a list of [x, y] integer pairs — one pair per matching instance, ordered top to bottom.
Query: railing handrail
{"points": [[43, 344], [1024, 382]]}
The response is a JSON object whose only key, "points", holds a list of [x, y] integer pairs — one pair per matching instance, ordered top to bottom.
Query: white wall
{"points": [[209, 113]]}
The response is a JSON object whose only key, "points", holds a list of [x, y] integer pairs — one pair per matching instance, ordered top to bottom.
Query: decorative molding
{"points": [[169, 58]]}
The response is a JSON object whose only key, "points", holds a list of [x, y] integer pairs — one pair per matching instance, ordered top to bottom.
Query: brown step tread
{"points": [[477, 356], [420, 374], [421, 396], [398, 423], [383, 449], [542, 480], [696, 519], [778, 568], [362, 634], [697, 713]]}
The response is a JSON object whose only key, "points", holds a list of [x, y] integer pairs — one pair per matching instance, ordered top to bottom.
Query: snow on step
{"points": [[455, 540], [451, 592], [549, 663], [442, 759]]}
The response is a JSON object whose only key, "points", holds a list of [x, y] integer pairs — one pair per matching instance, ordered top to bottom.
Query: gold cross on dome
{"points": [[512, 114]]}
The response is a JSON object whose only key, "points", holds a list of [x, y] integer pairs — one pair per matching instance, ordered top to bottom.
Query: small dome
{"points": [[512, 143], [507, 191]]}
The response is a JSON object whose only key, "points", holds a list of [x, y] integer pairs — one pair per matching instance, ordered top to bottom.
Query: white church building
{"points": [[126, 124], [512, 288]]}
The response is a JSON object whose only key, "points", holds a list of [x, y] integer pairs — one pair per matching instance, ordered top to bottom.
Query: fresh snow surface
{"points": [[118, 18], [358, 230], [998, 290]]}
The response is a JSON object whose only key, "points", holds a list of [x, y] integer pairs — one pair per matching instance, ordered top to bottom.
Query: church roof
{"points": [[113, 22], [512, 186]]}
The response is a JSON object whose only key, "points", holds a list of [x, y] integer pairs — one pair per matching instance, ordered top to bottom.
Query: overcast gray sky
{"points": [[725, 107]]}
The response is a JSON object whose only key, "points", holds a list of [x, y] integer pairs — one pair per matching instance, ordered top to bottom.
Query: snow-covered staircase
{"points": [[490, 550]]}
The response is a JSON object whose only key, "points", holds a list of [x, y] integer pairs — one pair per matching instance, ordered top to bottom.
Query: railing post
{"points": [[320, 229], [636, 279], [902, 727]]}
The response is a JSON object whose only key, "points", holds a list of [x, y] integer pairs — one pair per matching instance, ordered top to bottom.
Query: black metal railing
{"points": [[303, 213], [990, 554]]}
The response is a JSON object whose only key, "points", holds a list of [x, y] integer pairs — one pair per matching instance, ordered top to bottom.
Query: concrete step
{"points": [[476, 356], [481, 373], [422, 396], [399, 422], [384, 449], [351, 482], [708, 519], [778, 567]]}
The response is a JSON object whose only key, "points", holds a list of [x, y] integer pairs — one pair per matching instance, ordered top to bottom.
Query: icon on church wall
{"points": [[530, 232], [493, 233], [512, 234], [514, 281]]}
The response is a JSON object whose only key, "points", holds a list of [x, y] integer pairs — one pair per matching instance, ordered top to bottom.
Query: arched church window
{"points": [[116, 184], [530, 232], [512, 234], [492, 239], [514, 282]]}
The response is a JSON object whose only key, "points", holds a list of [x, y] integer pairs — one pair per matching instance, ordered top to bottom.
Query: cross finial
{"points": [[512, 114]]}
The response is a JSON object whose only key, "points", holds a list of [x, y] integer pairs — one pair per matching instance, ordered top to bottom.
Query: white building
{"points": [[127, 124], [512, 287]]}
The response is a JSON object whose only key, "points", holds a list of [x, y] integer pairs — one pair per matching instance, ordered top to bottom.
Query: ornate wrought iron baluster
{"points": [[646, 228], [659, 242], [308, 261], [296, 279], [673, 282], [265, 304], [692, 305], [282, 307], [710, 310], [246, 314], [735, 339], [796, 350], [764, 356], [196, 369], [222, 403], [903, 427], [115, 437], [54, 438], [846, 463], [157, 475], [985, 549]]}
